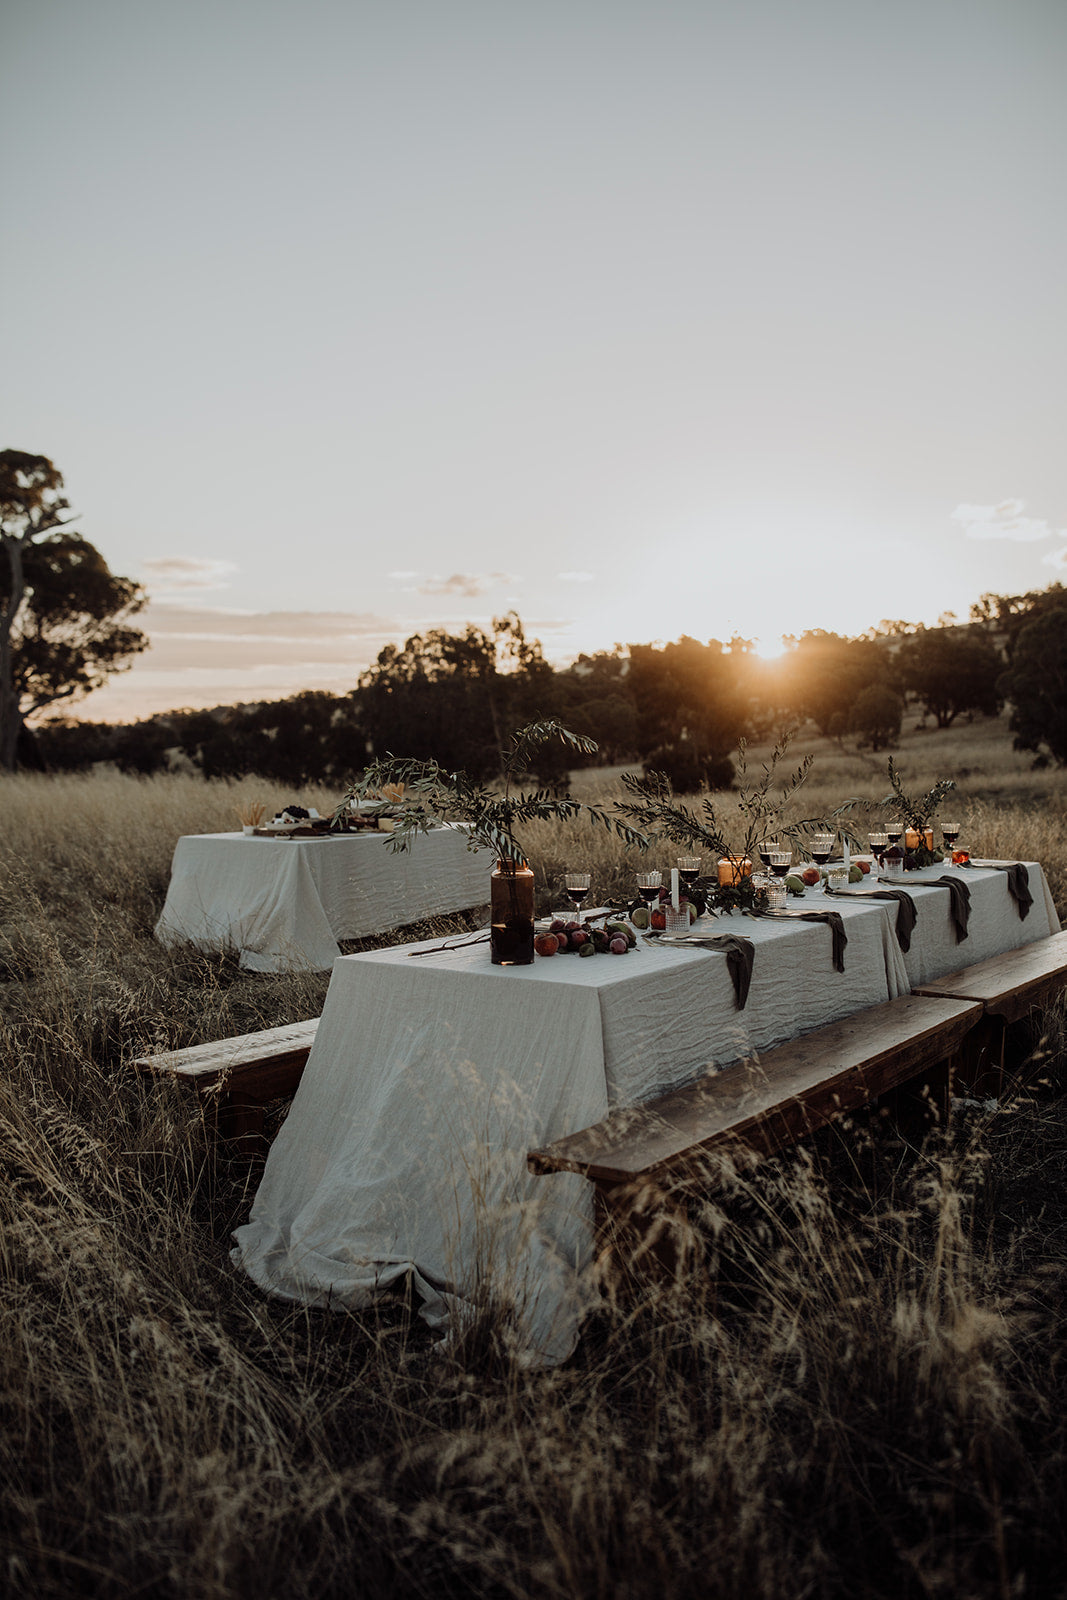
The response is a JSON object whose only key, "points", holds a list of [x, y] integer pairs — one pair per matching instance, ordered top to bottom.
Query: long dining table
{"points": [[283, 903], [434, 1072]]}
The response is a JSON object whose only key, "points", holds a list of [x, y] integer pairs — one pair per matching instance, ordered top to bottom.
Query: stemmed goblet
{"points": [[577, 886], [648, 887]]}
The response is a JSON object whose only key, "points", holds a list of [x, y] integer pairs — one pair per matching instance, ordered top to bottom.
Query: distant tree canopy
{"points": [[64, 616], [950, 671], [823, 675], [1036, 682], [457, 696], [678, 708]]}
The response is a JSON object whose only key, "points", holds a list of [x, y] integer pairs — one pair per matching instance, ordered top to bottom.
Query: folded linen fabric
{"points": [[1018, 886], [959, 908], [907, 916], [838, 935], [740, 955]]}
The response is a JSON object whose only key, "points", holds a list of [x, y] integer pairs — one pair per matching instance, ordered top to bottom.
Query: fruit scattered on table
{"points": [[864, 866], [855, 873], [811, 875], [795, 885], [561, 938]]}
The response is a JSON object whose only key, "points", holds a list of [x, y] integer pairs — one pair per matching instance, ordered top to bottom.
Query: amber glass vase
{"points": [[511, 906]]}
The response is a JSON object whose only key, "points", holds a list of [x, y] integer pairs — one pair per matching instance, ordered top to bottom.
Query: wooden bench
{"points": [[1010, 988], [237, 1078], [641, 1160]]}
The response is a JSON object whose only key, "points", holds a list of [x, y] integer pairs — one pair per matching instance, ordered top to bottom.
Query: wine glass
{"points": [[894, 832], [950, 832], [879, 843], [821, 846], [780, 862], [689, 868], [577, 886], [648, 887]]}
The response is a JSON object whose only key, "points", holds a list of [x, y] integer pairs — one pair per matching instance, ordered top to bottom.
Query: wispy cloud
{"points": [[1003, 521], [1057, 558], [182, 574], [469, 585]]}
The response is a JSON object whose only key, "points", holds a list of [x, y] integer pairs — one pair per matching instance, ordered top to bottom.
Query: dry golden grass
{"points": [[862, 1395]]}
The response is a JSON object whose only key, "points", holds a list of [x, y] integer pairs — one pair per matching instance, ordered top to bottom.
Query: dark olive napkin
{"points": [[1019, 887], [959, 908], [907, 916], [837, 931], [740, 955]]}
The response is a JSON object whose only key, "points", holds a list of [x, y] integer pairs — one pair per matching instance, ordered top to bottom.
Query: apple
{"points": [[864, 866], [811, 875], [658, 919], [546, 944]]}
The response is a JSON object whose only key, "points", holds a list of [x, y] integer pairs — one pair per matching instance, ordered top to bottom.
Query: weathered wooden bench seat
{"points": [[1010, 988], [236, 1078], [641, 1159]]}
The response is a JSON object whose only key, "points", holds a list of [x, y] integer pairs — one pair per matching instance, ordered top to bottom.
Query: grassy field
{"points": [[864, 1395]]}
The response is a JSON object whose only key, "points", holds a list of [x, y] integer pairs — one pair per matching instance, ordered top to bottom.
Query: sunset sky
{"points": [[347, 319]]}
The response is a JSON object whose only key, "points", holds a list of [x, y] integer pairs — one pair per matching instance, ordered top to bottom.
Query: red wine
{"points": [[820, 857], [689, 874]]}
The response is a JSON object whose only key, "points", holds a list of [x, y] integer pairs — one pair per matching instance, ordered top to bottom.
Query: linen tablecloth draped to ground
{"points": [[284, 903], [430, 1079]]}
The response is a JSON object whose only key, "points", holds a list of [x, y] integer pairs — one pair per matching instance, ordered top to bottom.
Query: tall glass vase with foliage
{"points": [[491, 815]]}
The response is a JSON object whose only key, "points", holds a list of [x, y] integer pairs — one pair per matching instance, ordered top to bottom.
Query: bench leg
{"points": [[981, 1066], [924, 1102], [241, 1125], [643, 1233]]}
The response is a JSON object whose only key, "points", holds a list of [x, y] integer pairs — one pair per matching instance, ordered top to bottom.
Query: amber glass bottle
{"points": [[511, 904]]}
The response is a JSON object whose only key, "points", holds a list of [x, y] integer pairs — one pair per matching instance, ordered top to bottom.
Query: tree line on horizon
{"points": [[67, 624]]}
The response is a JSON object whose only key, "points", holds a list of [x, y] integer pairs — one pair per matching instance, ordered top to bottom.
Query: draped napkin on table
{"points": [[1018, 885], [959, 905], [907, 916], [838, 935], [740, 956]]}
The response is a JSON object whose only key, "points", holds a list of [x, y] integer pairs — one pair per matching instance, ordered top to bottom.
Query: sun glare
{"points": [[770, 649]]}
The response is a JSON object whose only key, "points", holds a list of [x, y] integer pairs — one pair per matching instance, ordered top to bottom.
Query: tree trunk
{"points": [[9, 704]]}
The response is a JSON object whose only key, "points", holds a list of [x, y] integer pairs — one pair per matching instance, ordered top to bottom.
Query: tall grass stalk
{"points": [[859, 1390]]}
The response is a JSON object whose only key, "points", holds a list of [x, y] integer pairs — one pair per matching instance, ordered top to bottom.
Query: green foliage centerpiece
{"points": [[433, 795], [653, 807], [918, 814]]}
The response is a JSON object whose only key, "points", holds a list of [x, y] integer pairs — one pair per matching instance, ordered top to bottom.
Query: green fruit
{"points": [[855, 875], [794, 884], [639, 918], [587, 949]]}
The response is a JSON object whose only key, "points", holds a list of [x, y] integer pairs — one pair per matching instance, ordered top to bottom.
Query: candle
{"points": [[912, 838], [848, 859], [732, 871], [675, 880]]}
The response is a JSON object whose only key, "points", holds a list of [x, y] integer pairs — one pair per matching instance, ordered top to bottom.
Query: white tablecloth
{"points": [[284, 903], [432, 1075]]}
